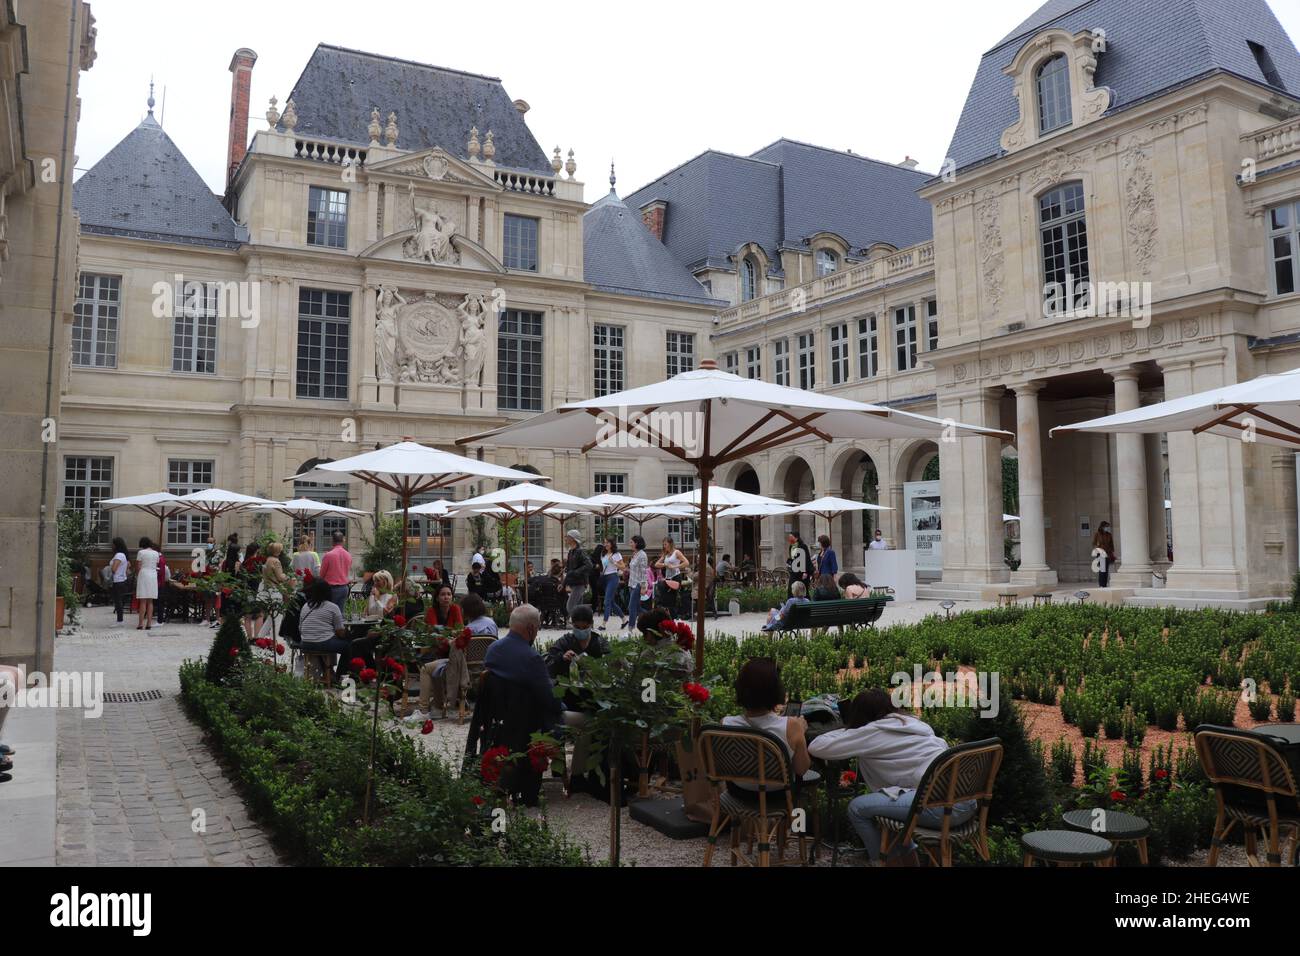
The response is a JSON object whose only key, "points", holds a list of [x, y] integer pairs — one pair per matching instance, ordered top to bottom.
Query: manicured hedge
{"points": [[302, 759]]}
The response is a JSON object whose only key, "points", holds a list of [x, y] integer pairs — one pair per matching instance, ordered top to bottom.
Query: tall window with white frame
{"points": [[1052, 86], [327, 217], [1063, 234], [520, 243], [1284, 244], [827, 262], [748, 279], [94, 323], [931, 324], [194, 329], [324, 331], [839, 336], [905, 338], [868, 347], [681, 352], [608, 360], [519, 361], [807, 361], [731, 362], [754, 362], [781, 362], [185, 476], [87, 481], [610, 483], [322, 526], [681, 530]]}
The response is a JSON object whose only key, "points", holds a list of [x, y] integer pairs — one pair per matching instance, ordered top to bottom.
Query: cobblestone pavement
{"points": [[137, 785]]}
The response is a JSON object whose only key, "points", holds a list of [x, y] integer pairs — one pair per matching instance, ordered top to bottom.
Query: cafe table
{"points": [[831, 772]]}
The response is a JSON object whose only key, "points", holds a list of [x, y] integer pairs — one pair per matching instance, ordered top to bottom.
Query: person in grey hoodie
{"points": [[893, 749]]}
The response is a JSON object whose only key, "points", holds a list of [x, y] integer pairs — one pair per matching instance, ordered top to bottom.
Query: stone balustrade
{"points": [[1276, 141], [339, 154], [915, 259]]}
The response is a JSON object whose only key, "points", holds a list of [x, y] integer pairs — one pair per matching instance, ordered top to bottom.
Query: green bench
{"points": [[819, 615]]}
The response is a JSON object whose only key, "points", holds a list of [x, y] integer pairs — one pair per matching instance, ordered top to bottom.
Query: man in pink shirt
{"points": [[336, 570]]}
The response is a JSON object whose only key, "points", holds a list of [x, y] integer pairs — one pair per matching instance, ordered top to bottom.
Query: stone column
{"points": [[1131, 467], [971, 481], [1156, 525], [1033, 540]]}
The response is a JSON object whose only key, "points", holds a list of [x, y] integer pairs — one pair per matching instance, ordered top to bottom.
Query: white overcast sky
{"points": [[649, 84]]}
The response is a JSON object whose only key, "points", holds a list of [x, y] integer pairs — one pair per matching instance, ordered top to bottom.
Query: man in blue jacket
{"points": [[513, 658]]}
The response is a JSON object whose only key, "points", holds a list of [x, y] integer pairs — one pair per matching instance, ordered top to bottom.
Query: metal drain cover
{"points": [[132, 697]]}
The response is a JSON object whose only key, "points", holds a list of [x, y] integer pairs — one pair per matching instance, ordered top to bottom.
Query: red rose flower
{"points": [[428, 572], [225, 592], [430, 617], [399, 620], [463, 640], [263, 642], [279, 648], [234, 652], [357, 663], [399, 670], [367, 675], [698, 693], [427, 728], [540, 754], [492, 762], [1162, 773], [848, 778], [1117, 795], [478, 801]]}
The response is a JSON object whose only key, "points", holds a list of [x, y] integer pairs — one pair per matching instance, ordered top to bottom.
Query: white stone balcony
{"points": [[1275, 144], [913, 260]]}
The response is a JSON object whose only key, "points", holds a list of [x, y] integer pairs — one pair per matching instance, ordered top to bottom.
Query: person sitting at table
{"points": [[724, 567], [557, 571], [852, 587], [826, 589], [410, 599], [382, 600], [446, 613], [775, 617], [321, 629], [575, 643], [514, 659], [444, 671], [759, 693], [893, 749]]}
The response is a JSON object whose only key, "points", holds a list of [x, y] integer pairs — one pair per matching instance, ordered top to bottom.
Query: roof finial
{"points": [[151, 96], [612, 178]]}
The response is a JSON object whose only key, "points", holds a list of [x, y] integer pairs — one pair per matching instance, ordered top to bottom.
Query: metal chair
{"points": [[733, 755], [962, 773], [1249, 775]]}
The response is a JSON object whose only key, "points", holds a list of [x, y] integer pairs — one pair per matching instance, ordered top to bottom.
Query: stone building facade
{"points": [[44, 46], [377, 270]]}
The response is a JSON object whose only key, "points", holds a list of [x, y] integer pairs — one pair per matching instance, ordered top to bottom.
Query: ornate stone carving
{"points": [[1088, 101], [272, 115], [289, 118], [374, 130], [390, 131], [473, 146], [436, 166], [1057, 166], [1140, 206], [432, 241], [990, 246], [1191, 328], [1156, 334], [433, 339], [1128, 341], [1101, 345], [1076, 351], [1052, 354], [1026, 359], [1004, 362], [986, 368], [959, 373]]}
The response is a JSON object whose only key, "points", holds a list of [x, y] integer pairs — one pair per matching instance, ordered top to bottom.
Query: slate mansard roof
{"points": [[1151, 47], [435, 106], [145, 188], [780, 196], [622, 257]]}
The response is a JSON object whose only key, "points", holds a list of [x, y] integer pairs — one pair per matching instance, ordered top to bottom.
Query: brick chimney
{"points": [[241, 70], [653, 214]]}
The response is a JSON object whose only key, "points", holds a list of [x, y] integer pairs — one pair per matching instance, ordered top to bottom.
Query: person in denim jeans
{"points": [[893, 749]]}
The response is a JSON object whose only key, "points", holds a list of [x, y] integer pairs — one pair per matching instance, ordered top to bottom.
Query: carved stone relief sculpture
{"points": [[1140, 206], [433, 233], [990, 246], [386, 333], [432, 339]]}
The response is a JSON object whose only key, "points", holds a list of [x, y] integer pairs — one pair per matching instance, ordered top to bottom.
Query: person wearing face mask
{"points": [[1103, 553], [577, 642]]}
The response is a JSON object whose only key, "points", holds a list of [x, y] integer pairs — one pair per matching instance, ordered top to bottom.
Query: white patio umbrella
{"points": [[1265, 409], [707, 418], [408, 469], [716, 500], [523, 501], [215, 502], [160, 504], [304, 509], [643, 513], [1007, 519]]}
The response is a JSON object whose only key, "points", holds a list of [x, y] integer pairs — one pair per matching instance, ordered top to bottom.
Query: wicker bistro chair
{"points": [[474, 654], [733, 755], [961, 773], [1249, 775]]}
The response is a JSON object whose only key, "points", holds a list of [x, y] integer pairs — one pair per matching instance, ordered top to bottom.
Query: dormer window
{"points": [[1053, 88], [827, 262], [748, 279]]}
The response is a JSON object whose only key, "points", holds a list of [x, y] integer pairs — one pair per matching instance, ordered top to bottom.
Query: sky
{"points": [[648, 85]]}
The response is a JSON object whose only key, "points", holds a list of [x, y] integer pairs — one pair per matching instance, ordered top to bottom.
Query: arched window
{"points": [[1053, 86], [1063, 232], [827, 262], [748, 280]]}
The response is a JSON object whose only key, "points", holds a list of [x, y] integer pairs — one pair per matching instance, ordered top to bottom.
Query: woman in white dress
{"points": [[146, 582]]}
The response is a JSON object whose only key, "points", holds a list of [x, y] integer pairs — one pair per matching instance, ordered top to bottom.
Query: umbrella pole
{"points": [[706, 476], [406, 507], [524, 576]]}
